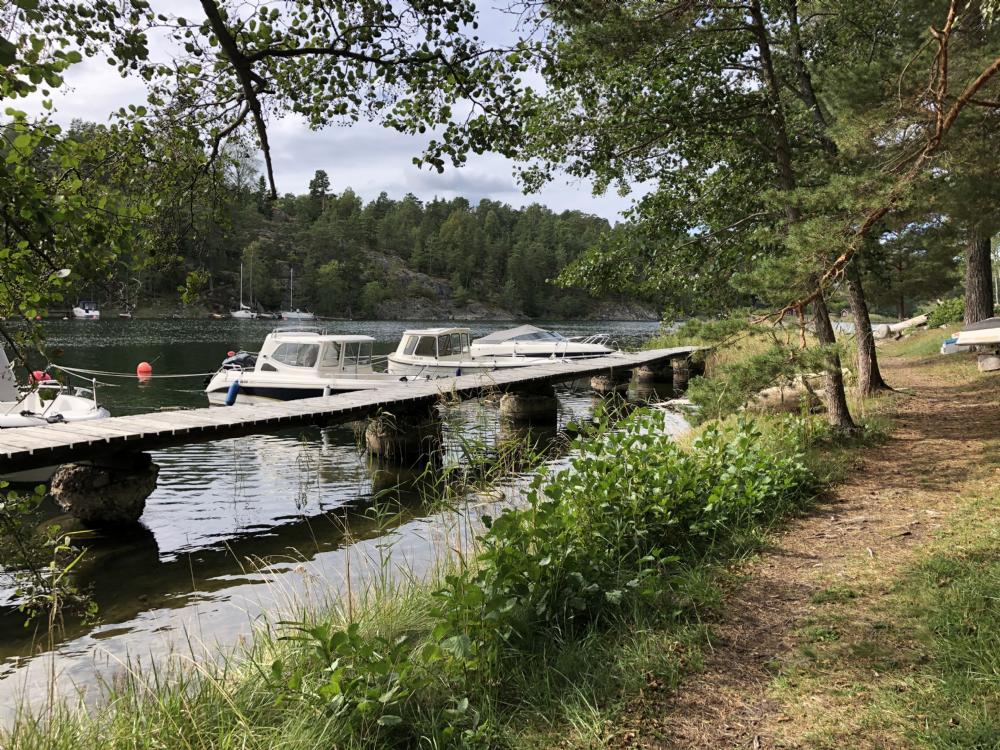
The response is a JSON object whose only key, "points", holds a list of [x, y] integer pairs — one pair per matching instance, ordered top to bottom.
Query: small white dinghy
{"points": [[984, 333], [48, 402]]}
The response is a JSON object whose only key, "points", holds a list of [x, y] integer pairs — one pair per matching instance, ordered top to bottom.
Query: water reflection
{"points": [[254, 525]]}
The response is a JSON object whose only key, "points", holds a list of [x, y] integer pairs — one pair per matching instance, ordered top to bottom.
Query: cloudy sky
{"points": [[365, 157]]}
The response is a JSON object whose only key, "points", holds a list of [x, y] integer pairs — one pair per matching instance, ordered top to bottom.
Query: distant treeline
{"points": [[352, 258]]}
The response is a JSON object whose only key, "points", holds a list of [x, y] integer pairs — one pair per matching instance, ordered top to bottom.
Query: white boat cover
{"points": [[984, 332], [540, 334]]}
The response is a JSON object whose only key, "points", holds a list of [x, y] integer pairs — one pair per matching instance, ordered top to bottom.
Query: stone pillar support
{"points": [[658, 372], [682, 373], [613, 381], [537, 404], [405, 436], [111, 492]]}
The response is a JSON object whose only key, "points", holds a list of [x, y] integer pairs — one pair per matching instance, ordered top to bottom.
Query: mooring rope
{"points": [[79, 371]]}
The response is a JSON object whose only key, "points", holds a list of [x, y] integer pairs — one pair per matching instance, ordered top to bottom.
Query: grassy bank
{"points": [[595, 590], [909, 658]]}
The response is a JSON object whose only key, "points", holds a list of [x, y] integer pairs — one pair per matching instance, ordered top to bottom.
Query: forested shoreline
{"points": [[406, 258], [391, 259]]}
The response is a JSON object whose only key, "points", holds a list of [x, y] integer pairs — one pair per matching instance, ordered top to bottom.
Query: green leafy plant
{"points": [[947, 311], [604, 534]]}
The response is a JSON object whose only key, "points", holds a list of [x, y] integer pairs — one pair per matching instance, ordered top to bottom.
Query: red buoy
{"points": [[230, 353], [144, 369], [37, 376]]}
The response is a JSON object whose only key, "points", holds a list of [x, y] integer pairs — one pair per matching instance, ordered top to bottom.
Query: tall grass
{"points": [[601, 578]]}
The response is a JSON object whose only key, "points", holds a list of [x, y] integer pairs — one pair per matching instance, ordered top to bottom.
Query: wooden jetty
{"points": [[33, 447]]}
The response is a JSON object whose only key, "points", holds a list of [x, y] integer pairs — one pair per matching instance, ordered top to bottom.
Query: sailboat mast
{"points": [[241, 285], [291, 289]]}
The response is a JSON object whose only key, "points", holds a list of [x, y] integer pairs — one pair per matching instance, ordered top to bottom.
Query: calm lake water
{"points": [[246, 529]]}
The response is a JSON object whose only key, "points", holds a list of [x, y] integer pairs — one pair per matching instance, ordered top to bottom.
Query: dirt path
{"points": [[946, 423]]}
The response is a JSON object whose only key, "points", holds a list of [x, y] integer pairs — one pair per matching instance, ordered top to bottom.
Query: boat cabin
{"points": [[435, 343], [292, 351]]}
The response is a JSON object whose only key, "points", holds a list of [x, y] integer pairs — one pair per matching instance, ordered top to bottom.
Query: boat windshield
{"points": [[539, 336], [425, 348], [357, 353], [296, 355], [331, 355]]}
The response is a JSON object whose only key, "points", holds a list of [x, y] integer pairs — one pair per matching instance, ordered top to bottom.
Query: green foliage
{"points": [[355, 255], [193, 287], [948, 311], [706, 331], [733, 384], [602, 536], [38, 561], [598, 579], [368, 683]]}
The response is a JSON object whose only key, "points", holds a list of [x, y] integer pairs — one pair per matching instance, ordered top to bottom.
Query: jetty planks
{"points": [[31, 447]]}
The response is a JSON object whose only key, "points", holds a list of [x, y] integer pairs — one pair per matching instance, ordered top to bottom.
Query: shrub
{"points": [[949, 311], [599, 536]]}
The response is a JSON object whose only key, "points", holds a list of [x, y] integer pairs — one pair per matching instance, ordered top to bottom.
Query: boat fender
{"points": [[458, 372], [326, 390], [232, 393], [55, 419]]}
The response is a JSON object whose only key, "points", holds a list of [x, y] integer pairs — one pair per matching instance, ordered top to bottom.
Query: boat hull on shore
{"points": [[984, 333]]}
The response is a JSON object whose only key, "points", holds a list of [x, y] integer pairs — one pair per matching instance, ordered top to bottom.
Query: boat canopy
{"points": [[983, 325], [521, 333], [434, 342], [310, 348]]}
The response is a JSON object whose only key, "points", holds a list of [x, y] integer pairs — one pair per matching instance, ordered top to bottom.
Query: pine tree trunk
{"points": [[978, 277], [870, 380], [837, 412]]}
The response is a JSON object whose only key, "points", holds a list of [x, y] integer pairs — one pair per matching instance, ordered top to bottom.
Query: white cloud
{"points": [[366, 157]]}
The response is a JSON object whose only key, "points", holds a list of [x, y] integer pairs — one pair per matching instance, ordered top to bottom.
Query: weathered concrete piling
{"points": [[683, 369], [656, 373], [611, 382], [537, 404], [405, 436], [108, 492]]}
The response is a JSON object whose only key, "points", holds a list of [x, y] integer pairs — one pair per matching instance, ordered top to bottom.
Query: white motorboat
{"points": [[86, 309], [294, 313], [984, 333], [530, 341], [444, 352], [298, 364], [48, 402]]}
